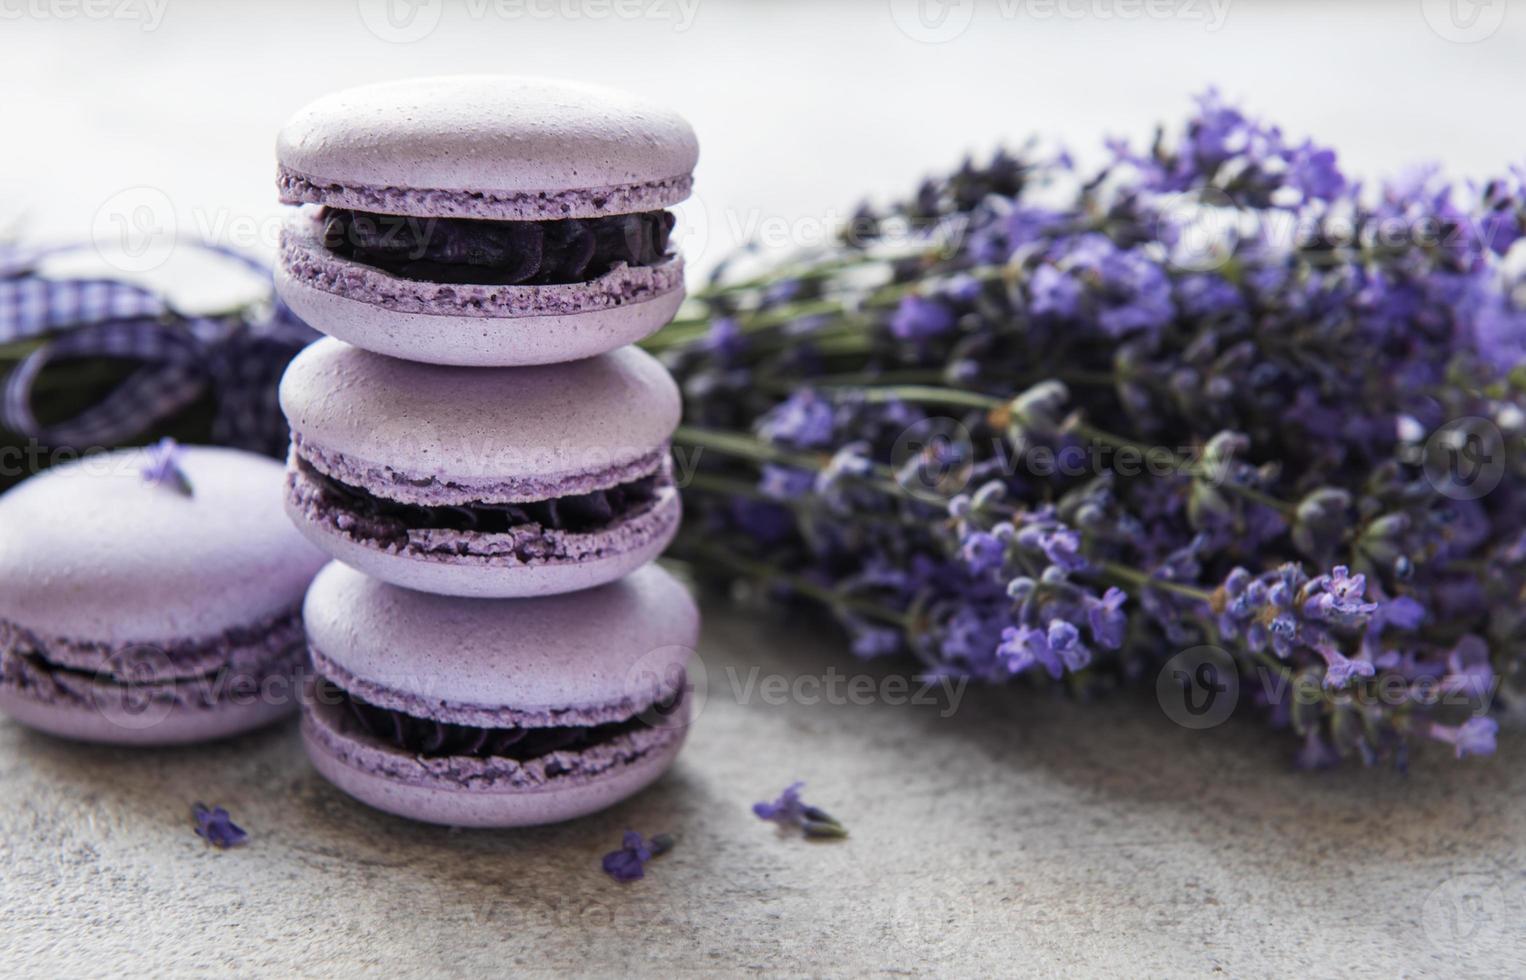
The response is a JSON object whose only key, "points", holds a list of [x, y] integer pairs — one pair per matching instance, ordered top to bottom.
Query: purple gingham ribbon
{"points": [[182, 357]]}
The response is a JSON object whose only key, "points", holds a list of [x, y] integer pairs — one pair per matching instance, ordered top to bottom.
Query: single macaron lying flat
{"points": [[483, 219], [482, 481], [151, 596], [492, 713]]}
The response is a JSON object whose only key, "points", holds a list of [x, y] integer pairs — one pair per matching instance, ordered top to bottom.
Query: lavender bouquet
{"points": [[1213, 406]]}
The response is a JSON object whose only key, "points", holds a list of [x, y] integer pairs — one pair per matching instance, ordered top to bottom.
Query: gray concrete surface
{"points": [[1018, 834], [1021, 835]]}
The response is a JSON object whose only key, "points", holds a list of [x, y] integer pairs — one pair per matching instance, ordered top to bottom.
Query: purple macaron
{"points": [[483, 219], [482, 481], [151, 597], [493, 713]]}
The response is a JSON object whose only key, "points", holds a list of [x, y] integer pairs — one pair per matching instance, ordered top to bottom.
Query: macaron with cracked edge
{"points": [[483, 219], [482, 481], [133, 613], [492, 713]]}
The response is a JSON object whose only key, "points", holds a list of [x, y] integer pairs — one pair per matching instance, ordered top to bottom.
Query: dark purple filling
{"points": [[497, 253], [580, 513], [28, 670], [426, 737]]}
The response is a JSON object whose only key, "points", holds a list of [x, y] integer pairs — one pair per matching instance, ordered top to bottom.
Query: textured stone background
{"points": [[1020, 834]]}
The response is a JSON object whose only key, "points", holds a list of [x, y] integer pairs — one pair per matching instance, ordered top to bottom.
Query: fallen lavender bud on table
{"points": [[1212, 399], [789, 810], [216, 827], [628, 863]]}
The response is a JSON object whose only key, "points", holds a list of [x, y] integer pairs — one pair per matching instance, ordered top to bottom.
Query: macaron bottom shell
{"points": [[469, 325], [476, 341], [167, 693], [117, 721], [440, 798]]}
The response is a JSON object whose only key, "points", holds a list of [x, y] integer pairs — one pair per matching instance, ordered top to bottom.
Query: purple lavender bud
{"points": [[1313, 171], [964, 289], [1053, 293], [919, 318], [725, 339], [1039, 409], [804, 420], [163, 467], [784, 483], [1030, 538], [1063, 547], [982, 552], [1403, 612], [1106, 619], [868, 641], [1065, 641], [1022, 647], [1340, 669], [1469, 671], [1476, 736], [786, 806], [790, 811], [216, 827], [629, 862]]}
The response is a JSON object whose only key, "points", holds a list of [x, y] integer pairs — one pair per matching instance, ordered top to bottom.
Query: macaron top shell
{"points": [[486, 146], [458, 424], [90, 551], [617, 647]]}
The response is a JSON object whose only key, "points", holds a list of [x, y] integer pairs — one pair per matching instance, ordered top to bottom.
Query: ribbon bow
{"points": [[237, 359]]}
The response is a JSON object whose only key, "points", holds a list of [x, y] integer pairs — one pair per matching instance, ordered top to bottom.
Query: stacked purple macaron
{"points": [[480, 448]]}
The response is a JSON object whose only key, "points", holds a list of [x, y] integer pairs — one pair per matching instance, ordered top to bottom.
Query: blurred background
{"points": [[151, 117]]}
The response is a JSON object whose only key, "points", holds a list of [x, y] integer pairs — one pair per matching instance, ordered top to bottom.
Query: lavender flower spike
{"points": [[163, 467]]}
